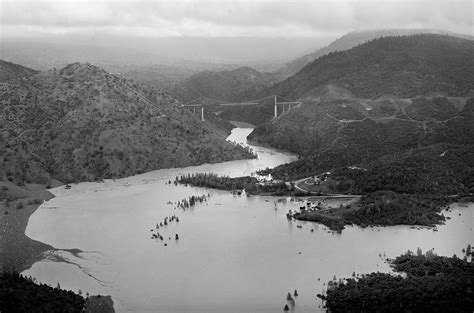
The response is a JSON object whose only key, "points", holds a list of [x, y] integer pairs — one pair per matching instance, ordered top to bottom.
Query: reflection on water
{"points": [[234, 253]]}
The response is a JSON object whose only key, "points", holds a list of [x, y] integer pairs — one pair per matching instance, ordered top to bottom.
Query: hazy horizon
{"points": [[265, 34], [191, 48]]}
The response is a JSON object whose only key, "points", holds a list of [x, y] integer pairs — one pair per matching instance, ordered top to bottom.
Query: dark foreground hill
{"points": [[80, 123], [20, 294]]}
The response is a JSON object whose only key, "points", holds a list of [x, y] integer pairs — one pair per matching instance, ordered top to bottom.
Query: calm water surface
{"points": [[235, 253]]}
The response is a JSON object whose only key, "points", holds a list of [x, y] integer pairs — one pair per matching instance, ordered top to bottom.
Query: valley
{"points": [[376, 156], [227, 227]]}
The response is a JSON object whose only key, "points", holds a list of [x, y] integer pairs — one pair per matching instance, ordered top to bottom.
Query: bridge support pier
{"points": [[276, 110]]}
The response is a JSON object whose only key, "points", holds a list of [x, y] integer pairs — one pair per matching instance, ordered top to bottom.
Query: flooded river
{"points": [[234, 253]]}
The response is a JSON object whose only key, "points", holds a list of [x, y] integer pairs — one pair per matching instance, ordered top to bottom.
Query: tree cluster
{"points": [[433, 284], [19, 294]]}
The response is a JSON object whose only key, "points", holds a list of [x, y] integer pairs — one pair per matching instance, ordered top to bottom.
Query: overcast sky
{"points": [[261, 18]]}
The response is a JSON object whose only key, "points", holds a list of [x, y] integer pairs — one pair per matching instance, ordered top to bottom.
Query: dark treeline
{"points": [[367, 141], [442, 170], [210, 180], [250, 184], [408, 188], [191, 201], [385, 208], [388, 208], [334, 223], [433, 284], [19, 294]]}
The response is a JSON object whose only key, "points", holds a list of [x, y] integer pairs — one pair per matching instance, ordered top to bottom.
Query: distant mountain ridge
{"points": [[351, 40], [403, 66], [10, 70], [228, 85], [81, 123]]}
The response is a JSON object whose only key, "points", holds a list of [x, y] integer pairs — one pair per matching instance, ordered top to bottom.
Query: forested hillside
{"points": [[349, 41], [425, 65], [402, 66], [350, 117], [391, 120], [81, 123], [329, 135]]}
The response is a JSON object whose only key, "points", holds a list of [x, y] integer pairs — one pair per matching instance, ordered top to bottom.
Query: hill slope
{"points": [[349, 41], [401, 66], [405, 67], [10, 70], [162, 77], [229, 85], [383, 97], [81, 123], [347, 132]]}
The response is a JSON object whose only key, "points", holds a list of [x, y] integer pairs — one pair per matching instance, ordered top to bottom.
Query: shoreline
{"points": [[239, 124], [267, 146], [333, 218], [19, 252]]}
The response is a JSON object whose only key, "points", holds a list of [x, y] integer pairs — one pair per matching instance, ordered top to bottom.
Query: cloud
{"points": [[307, 18]]}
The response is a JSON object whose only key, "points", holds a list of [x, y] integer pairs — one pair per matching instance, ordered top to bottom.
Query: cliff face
{"points": [[81, 123]]}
